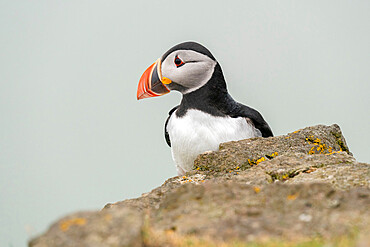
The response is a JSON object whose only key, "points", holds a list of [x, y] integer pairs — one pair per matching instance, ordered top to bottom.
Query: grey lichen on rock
{"points": [[304, 186]]}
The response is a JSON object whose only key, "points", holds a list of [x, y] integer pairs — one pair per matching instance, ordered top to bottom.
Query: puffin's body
{"points": [[207, 114]]}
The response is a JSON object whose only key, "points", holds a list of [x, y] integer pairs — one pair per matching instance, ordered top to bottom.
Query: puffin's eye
{"points": [[178, 62]]}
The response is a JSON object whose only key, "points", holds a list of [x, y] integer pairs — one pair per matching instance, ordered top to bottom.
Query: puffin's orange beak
{"points": [[150, 84]]}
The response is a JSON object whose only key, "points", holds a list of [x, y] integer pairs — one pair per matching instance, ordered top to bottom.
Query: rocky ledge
{"points": [[300, 189]]}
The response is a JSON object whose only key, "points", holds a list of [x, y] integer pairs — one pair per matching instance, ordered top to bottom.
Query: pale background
{"points": [[74, 137]]}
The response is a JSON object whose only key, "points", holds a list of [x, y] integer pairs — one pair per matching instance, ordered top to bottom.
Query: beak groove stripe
{"points": [[150, 84]]}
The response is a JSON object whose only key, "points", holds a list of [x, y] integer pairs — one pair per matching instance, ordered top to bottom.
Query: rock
{"points": [[243, 154], [304, 186], [231, 210], [104, 228]]}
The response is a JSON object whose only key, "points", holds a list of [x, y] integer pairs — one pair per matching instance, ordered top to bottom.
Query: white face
{"points": [[193, 74]]}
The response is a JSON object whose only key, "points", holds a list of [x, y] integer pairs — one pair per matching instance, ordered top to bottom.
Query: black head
{"points": [[190, 45]]}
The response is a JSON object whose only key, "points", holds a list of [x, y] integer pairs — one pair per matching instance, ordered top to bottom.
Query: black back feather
{"points": [[166, 135]]}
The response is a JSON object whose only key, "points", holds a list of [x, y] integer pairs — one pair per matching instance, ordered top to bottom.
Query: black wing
{"points": [[255, 116], [166, 135]]}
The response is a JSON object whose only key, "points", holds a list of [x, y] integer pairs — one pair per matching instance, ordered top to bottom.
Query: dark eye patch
{"points": [[178, 62]]}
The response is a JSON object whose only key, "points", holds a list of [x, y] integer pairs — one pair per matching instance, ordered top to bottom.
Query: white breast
{"points": [[198, 132]]}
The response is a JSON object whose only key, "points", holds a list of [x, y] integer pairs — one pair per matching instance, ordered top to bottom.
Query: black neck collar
{"points": [[211, 98]]}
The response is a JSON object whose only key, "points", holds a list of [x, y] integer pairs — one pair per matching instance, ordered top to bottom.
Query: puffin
{"points": [[207, 115]]}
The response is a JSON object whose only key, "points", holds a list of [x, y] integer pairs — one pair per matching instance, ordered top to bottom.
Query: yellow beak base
{"points": [[166, 80]]}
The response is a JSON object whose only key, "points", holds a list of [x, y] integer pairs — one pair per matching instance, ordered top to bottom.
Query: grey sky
{"points": [[72, 134]]}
